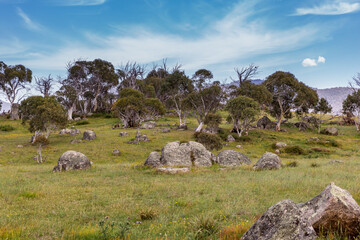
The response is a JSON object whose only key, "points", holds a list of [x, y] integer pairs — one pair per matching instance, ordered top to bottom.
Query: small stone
{"points": [[165, 130], [123, 134], [89, 135], [230, 138], [314, 139], [75, 141], [280, 145], [20, 146], [239, 146], [277, 151], [116, 152], [336, 161], [173, 170]]}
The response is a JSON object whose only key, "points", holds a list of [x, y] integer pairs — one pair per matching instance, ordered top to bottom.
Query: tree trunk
{"points": [[14, 111], [70, 112], [279, 123], [236, 126], [319, 128], [198, 129]]}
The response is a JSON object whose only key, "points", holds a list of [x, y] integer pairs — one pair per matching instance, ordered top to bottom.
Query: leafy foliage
{"points": [[6, 128], [209, 140]]}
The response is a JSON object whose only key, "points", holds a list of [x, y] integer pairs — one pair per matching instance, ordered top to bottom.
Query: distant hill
{"points": [[335, 96], [5, 106]]}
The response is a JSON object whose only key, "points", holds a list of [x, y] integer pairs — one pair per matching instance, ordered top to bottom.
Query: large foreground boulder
{"points": [[332, 131], [89, 135], [186, 154], [231, 158], [72, 160], [153, 160], [268, 161], [334, 209], [282, 221]]}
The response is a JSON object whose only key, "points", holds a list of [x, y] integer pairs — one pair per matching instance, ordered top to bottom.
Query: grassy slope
{"points": [[38, 204]]}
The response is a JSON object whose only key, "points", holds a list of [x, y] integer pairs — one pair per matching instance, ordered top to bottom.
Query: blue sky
{"points": [[317, 40]]}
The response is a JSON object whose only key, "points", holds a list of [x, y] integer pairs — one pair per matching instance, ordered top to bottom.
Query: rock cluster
{"points": [[332, 210]]}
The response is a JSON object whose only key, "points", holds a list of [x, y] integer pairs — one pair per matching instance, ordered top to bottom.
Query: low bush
{"points": [[82, 122], [6, 128], [41, 139], [209, 140], [294, 150], [292, 164], [147, 214], [204, 227]]}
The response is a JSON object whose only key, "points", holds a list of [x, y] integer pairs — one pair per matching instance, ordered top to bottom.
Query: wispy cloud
{"points": [[81, 2], [333, 8], [29, 24], [230, 40], [309, 62]]}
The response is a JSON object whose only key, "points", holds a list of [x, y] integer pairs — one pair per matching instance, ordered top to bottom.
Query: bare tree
{"points": [[129, 73], [246, 73], [44, 85]]}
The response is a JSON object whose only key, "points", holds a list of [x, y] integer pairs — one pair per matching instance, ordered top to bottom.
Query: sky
{"points": [[317, 40]]}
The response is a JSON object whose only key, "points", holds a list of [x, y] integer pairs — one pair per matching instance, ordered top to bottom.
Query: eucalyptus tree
{"points": [[13, 80], [44, 85], [174, 90], [288, 94], [352, 105], [322, 108], [243, 111]]}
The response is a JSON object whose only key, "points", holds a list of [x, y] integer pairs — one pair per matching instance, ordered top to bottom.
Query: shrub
{"points": [[213, 119], [82, 122], [6, 128], [41, 139], [210, 141], [318, 149], [294, 150], [292, 164], [314, 165], [147, 214], [204, 227]]}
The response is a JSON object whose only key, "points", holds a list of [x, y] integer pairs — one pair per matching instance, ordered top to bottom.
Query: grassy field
{"points": [[119, 198]]}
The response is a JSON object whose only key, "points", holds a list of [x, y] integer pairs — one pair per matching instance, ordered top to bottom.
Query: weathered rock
{"points": [[77, 119], [265, 123], [148, 125], [303, 126], [182, 127], [165, 130], [69, 131], [332, 131], [123, 134], [89, 135], [141, 138], [230, 138], [314, 139], [75, 141], [133, 142], [280, 145], [20, 146], [239, 146], [277, 151], [116, 152], [186, 154], [231, 158], [153, 159], [72, 160], [268, 161], [336, 161], [173, 170], [332, 210], [283, 221]]}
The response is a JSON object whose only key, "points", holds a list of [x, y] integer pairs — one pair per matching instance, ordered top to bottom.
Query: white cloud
{"points": [[81, 2], [335, 8], [27, 21], [321, 59], [308, 62]]}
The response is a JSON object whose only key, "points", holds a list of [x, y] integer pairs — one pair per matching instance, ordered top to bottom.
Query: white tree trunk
{"points": [[70, 113], [198, 129]]}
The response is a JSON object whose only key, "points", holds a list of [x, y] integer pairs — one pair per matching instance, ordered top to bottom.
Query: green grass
{"points": [[143, 204]]}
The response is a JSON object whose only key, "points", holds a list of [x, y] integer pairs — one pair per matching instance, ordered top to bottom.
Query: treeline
{"points": [[136, 95]]}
